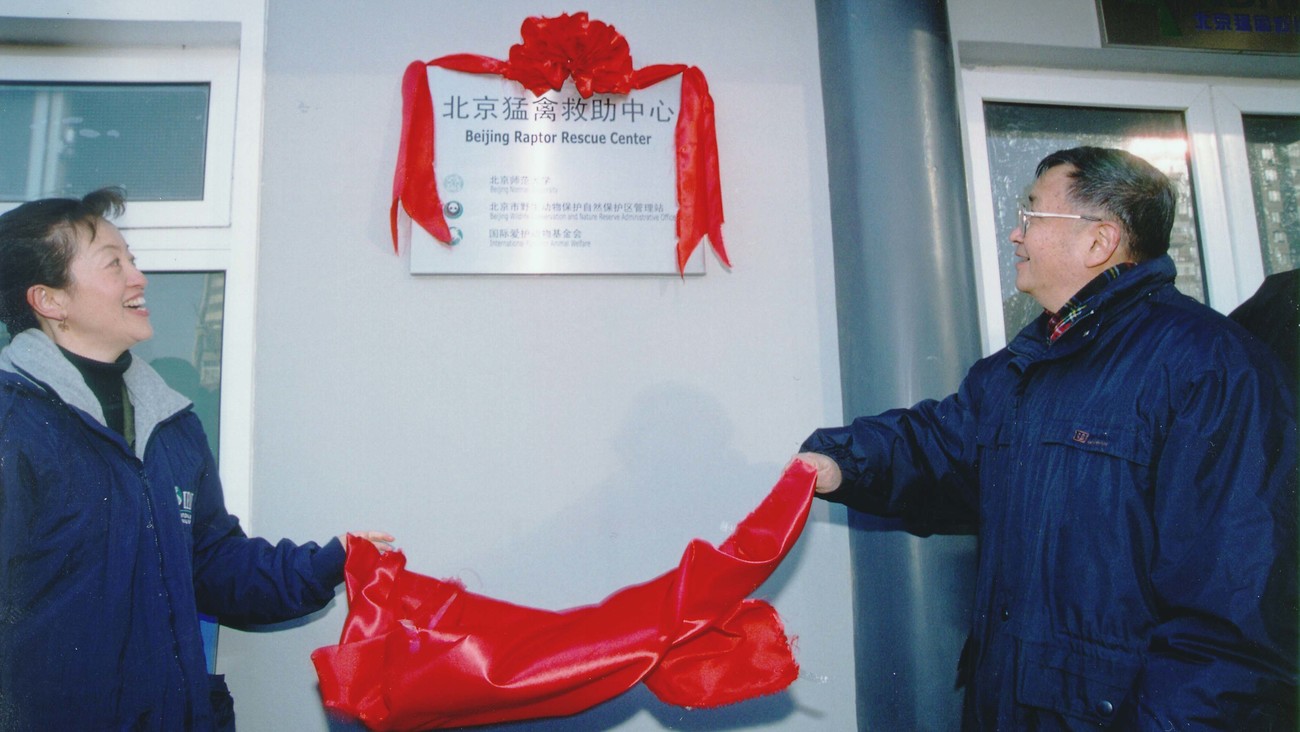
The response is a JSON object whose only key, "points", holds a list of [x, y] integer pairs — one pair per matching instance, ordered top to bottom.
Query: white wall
{"points": [[546, 439]]}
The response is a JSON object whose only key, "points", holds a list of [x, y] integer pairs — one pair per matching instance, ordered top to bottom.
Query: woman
{"points": [[113, 531]]}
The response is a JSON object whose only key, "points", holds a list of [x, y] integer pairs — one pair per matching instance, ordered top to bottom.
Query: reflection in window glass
{"points": [[1019, 135], [69, 139], [1273, 154], [186, 310]]}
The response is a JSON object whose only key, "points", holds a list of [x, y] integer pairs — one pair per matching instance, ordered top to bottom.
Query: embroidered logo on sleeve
{"points": [[185, 500]]}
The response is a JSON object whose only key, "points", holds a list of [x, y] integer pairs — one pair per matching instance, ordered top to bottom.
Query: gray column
{"points": [[908, 326]]}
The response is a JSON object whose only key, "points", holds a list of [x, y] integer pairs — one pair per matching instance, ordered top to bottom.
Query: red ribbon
{"points": [[592, 52], [597, 58], [420, 653]]}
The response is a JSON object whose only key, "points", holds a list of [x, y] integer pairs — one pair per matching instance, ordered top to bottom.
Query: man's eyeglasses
{"points": [[1026, 216]]}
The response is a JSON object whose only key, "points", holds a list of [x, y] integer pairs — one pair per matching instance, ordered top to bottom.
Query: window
{"points": [[79, 98], [168, 106], [158, 122], [1199, 133], [149, 138], [1273, 156], [186, 311]]}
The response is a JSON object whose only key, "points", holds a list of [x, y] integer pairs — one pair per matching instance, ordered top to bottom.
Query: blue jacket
{"points": [[1134, 489], [107, 555]]}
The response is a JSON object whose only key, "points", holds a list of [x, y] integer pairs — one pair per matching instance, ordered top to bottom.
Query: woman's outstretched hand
{"points": [[381, 540]]}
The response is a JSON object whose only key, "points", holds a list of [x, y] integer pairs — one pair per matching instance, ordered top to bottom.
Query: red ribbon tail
{"points": [[409, 79], [414, 184], [711, 185], [699, 187], [392, 223]]}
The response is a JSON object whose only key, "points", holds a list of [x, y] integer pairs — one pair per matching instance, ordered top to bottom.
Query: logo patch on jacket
{"points": [[1084, 437], [185, 500]]}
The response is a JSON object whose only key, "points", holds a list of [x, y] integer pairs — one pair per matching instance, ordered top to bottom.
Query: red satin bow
{"points": [[592, 52], [597, 58], [420, 653]]}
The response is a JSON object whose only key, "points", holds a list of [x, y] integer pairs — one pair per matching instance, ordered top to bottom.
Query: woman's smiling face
{"points": [[104, 302]]}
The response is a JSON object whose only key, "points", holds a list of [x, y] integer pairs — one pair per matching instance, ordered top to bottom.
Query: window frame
{"points": [[165, 40], [216, 67], [1230, 103]]}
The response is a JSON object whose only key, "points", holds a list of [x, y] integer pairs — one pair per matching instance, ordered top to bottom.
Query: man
{"points": [[1272, 314], [1130, 458]]}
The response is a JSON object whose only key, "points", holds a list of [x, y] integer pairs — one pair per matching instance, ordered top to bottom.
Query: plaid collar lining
{"points": [[1080, 306]]}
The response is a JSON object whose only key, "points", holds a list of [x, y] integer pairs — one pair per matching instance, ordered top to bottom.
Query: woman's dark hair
{"points": [[1124, 186], [37, 243]]}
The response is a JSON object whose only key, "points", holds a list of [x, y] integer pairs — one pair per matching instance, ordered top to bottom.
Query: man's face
{"points": [[1050, 265]]}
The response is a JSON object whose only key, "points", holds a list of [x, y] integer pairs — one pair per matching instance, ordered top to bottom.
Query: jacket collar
{"points": [[1126, 290], [34, 357]]}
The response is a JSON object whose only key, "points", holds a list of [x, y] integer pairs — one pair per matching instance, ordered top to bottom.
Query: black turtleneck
{"points": [[105, 382]]}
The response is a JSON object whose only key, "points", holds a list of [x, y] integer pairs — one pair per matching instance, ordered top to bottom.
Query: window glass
{"points": [[1019, 135], [69, 139], [1273, 155], [185, 309]]}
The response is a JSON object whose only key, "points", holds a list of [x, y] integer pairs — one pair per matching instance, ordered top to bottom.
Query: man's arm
{"points": [[915, 464]]}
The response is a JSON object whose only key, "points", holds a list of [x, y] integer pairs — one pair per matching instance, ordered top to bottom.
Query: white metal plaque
{"points": [[555, 184]]}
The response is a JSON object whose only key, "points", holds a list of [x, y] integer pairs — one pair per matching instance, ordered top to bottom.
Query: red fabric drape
{"points": [[596, 57], [420, 653]]}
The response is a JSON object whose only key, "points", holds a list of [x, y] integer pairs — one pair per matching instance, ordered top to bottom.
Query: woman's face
{"points": [[104, 301]]}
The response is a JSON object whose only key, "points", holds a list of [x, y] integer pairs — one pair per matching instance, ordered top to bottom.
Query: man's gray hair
{"points": [[1123, 186]]}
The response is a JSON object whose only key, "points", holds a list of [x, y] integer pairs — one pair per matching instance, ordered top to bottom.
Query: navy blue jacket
{"points": [[1134, 486], [107, 555]]}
